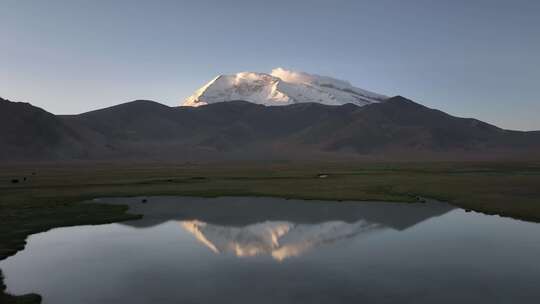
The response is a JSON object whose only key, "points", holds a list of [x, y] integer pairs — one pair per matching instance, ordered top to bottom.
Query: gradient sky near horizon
{"points": [[468, 58]]}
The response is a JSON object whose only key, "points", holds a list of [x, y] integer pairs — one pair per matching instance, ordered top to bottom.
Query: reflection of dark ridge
{"points": [[242, 211], [145, 222]]}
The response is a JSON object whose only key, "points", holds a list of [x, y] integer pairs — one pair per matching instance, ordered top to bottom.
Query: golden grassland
{"points": [[49, 195]]}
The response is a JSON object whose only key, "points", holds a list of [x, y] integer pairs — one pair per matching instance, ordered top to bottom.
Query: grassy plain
{"points": [[48, 195]]}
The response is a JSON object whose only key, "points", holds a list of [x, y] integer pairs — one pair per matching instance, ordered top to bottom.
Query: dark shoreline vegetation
{"points": [[50, 195]]}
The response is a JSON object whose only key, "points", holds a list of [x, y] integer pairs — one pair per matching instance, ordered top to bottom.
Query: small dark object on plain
{"points": [[33, 173], [24, 178], [14, 181], [421, 199], [144, 201]]}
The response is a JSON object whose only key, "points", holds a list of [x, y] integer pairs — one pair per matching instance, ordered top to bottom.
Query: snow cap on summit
{"points": [[281, 87]]}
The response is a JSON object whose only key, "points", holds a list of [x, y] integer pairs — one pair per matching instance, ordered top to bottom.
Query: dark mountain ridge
{"points": [[145, 130], [28, 132]]}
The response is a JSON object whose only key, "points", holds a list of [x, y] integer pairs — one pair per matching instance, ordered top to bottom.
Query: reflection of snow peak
{"points": [[278, 239]]}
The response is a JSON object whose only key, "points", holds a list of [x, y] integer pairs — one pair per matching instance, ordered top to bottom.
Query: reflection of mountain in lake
{"points": [[278, 227], [277, 239]]}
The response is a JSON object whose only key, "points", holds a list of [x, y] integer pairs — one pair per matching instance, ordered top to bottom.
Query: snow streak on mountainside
{"points": [[281, 87]]}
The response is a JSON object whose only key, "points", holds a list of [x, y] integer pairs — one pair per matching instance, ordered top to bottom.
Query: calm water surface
{"points": [[267, 250]]}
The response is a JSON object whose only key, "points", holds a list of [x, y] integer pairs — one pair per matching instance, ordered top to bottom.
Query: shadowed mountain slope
{"points": [[395, 129], [28, 132]]}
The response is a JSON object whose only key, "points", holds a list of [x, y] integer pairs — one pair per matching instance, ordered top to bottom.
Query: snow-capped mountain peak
{"points": [[281, 87]]}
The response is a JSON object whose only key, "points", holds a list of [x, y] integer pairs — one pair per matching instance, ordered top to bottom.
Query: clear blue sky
{"points": [[476, 58]]}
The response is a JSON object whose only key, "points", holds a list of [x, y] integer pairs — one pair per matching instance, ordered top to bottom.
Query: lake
{"points": [[270, 250]]}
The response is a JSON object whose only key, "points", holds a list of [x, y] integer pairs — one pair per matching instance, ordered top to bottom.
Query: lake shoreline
{"points": [[51, 198], [240, 226]]}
